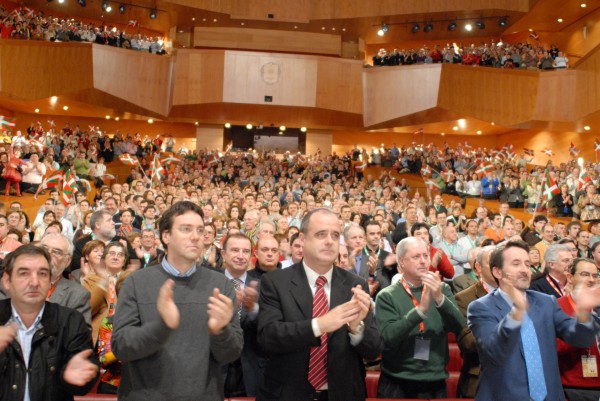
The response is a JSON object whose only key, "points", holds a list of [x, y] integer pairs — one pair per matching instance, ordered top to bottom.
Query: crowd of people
{"points": [[28, 24], [522, 55], [219, 278]]}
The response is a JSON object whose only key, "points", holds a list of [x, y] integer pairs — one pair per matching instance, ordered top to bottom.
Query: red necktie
{"points": [[317, 366]]}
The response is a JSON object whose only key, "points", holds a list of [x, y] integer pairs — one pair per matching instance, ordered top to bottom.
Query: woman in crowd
{"points": [[564, 202], [589, 204], [85, 228]]}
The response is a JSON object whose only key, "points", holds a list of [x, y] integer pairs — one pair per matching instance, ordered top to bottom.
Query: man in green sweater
{"points": [[414, 316], [175, 323]]}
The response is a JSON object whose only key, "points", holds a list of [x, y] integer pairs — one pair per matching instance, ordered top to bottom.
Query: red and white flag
{"points": [[573, 151], [529, 152], [548, 152], [129, 160]]}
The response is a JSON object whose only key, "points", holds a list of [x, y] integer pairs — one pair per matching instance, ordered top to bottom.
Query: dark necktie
{"points": [[237, 283], [317, 365]]}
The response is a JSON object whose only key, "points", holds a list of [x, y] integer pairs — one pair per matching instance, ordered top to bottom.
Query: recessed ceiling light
{"points": [[583, 5], [108, 9], [193, 19], [203, 19], [214, 20], [560, 20], [242, 23], [295, 26], [468, 27], [322, 28], [343, 29], [530, 30], [180, 31], [53, 99], [65, 108], [37, 110], [107, 117], [117, 118], [150, 121], [196, 123], [462, 123], [493, 123], [227, 125], [248, 126], [282, 128], [455, 128], [587, 128], [303, 129], [478, 132], [280, 133], [443, 133]]}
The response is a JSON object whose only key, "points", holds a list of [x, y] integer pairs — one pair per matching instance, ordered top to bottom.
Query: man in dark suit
{"points": [[403, 228], [374, 259], [558, 259], [315, 322], [516, 331], [242, 375]]}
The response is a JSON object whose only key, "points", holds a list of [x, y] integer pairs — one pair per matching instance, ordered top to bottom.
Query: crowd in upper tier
{"points": [[521, 55]]}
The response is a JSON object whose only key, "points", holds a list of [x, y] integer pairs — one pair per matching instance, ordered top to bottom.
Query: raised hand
{"points": [[437, 258], [372, 264], [434, 286], [250, 295], [517, 296], [586, 298], [364, 303], [167, 309], [220, 311], [339, 316], [7, 335], [80, 370]]}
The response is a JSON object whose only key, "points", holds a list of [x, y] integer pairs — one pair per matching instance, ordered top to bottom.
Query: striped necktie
{"points": [[237, 284], [317, 365]]}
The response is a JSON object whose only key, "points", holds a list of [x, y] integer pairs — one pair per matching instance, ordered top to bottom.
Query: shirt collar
{"points": [[174, 272], [312, 275], [242, 278], [17, 319]]}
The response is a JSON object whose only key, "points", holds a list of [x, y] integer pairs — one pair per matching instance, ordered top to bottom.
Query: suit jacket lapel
{"points": [[339, 289], [301, 291]]}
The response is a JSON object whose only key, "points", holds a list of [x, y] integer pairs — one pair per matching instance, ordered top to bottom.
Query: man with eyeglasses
{"points": [[150, 251], [65, 292], [175, 324], [577, 364]]}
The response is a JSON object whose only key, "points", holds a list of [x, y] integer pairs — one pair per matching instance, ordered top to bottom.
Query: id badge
{"points": [[422, 348], [589, 365]]}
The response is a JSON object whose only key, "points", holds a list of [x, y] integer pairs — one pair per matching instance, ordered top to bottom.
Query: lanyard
{"points": [[472, 242], [450, 248], [367, 251], [473, 275], [551, 282], [485, 286], [51, 291], [112, 294], [415, 303]]}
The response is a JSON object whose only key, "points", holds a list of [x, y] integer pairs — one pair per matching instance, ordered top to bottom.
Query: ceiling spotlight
{"points": [[61, 1], [82, 3], [104, 5], [583, 5], [122, 8], [108, 9], [153, 14], [560, 20], [502, 23], [480, 24], [452, 26], [468, 27], [415, 28], [428, 28], [380, 32], [53, 99], [65, 108], [37, 110], [107, 117], [117, 118], [150, 121], [196, 123], [462, 123], [227, 125], [248, 126], [282, 128], [455, 128], [587, 128], [303, 129], [478, 132], [280, 133]]}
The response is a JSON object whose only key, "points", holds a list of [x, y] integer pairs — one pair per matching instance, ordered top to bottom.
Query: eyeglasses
{"points": [[187, 230], [54, 251], [112, 254], [588, 274]]}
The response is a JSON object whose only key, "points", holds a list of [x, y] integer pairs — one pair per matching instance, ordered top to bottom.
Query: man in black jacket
{"points": [[54, 341]]}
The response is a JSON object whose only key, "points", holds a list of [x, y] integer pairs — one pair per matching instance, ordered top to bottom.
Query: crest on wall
{"points": [[270, 73]]}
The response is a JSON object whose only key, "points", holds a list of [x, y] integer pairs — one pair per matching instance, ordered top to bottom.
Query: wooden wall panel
{"points": [[268, 40], [35, 70], [198, 77], [141, 78], [243, 81], [339, 85], [394, 92], [556, 96], [505, 97], [587, 100], [209, 137], [319, 139]]}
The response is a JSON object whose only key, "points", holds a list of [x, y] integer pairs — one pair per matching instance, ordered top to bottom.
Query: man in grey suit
{"points": [[63, 291]]}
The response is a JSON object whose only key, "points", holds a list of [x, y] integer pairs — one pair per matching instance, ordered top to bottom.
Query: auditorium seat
{"points": [[455, 363], [371, 382], [452, 383], [240, 398]]}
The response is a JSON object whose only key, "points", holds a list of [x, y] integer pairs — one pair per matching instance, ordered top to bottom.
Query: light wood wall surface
{"points": [[268, 40], [198, 77]]}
